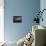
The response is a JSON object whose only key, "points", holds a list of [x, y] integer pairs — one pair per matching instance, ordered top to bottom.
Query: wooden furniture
{"points": [[39, 35]]}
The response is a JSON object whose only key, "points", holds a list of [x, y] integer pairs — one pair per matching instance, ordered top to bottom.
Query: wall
{"points": [[43, 6], [24, 8]]}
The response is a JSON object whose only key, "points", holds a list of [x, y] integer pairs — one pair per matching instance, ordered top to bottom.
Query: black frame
{"points": [[17, 19]]}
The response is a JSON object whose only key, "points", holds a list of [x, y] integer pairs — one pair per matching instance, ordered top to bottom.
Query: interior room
{"points": [[22, 22]]}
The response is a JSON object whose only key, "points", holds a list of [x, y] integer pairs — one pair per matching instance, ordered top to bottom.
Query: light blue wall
{"points": [[43, 6], [24, 8]]}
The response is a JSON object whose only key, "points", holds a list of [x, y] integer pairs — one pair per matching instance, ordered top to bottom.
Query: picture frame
{"points": [[17, 19]]}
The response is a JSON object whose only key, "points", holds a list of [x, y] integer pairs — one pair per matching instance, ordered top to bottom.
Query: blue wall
{"points": [[43, 6], [24, 8]]}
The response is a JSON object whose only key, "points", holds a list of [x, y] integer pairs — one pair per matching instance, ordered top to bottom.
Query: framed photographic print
{"points": [[17, 19]]}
